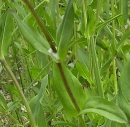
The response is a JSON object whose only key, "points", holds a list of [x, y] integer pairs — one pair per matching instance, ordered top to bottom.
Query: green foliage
{"points": [[6, 27], [65, 30], [64, 63], [74, 85], [105, 108]]}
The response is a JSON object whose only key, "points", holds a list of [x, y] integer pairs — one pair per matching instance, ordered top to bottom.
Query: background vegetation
{"points": [[64, 63]]}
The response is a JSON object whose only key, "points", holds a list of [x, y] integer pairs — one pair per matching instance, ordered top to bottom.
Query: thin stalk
{"points": [[84, 13], [41, 25], [114, 47], [96, 68], [67, 87], [29, 112]]}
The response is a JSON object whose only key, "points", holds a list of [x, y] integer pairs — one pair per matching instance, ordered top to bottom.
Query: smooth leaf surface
{"points": [[65, 30], [5, 35], [32, 35], [84, 72], [125, 81], [75, 87], [123, 104], [36, 105], [104, 108]]}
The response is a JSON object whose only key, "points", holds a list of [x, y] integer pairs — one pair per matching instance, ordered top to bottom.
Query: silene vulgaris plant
{"points": [[64, 63]]}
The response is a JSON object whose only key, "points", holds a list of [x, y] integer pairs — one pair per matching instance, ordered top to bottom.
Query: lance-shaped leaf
{"points": [[6, 26], [65, 30], [32, 35], [75, 88], [36, 105], [104, 108]]}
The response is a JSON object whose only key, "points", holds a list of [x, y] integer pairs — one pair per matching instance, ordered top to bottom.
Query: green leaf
{"points": [[124, 9], [91, 23], [101, 25], [65, 30], [5, 35], [32, 35], [124, 37], [102, 44], [83, 57], [105, 67], [84, 72], [125, 81], [75, 88], [123, 104], [3, 105], [36, 105], [104, 108], [63, 123]]}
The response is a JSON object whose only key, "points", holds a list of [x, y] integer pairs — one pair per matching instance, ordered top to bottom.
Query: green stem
{"points": [[84, 13], [41, 25], [114, 47], [96, 68], [29, 112]]}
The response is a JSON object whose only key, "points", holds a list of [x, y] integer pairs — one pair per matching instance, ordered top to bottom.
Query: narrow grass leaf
{"points": [[101, 25], [7, 27], [65, 30], [32, 35], [124, 37], [75, 87], [104, 108]]}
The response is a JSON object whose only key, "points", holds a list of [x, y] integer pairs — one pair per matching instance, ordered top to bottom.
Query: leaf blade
{"points": [[64, 31], [105, 108]]}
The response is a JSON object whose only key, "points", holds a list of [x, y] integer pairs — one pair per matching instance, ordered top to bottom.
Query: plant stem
{"points": [[41, 25], [114, 47], [96, 68], [67, 87], [29, 112]]}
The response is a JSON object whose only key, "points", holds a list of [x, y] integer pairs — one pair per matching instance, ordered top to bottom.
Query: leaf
{"points": [[124, 8], [91, 23], [101, 25], [65, 30], [5, 35], [32, 35], [124, 37], [102, 44], [83, 57], [105, 67], [84, 72], [124, 84], [75, 88], [123, 104], [3, 105], [36, 105], [104, 108], [63, 123]]}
